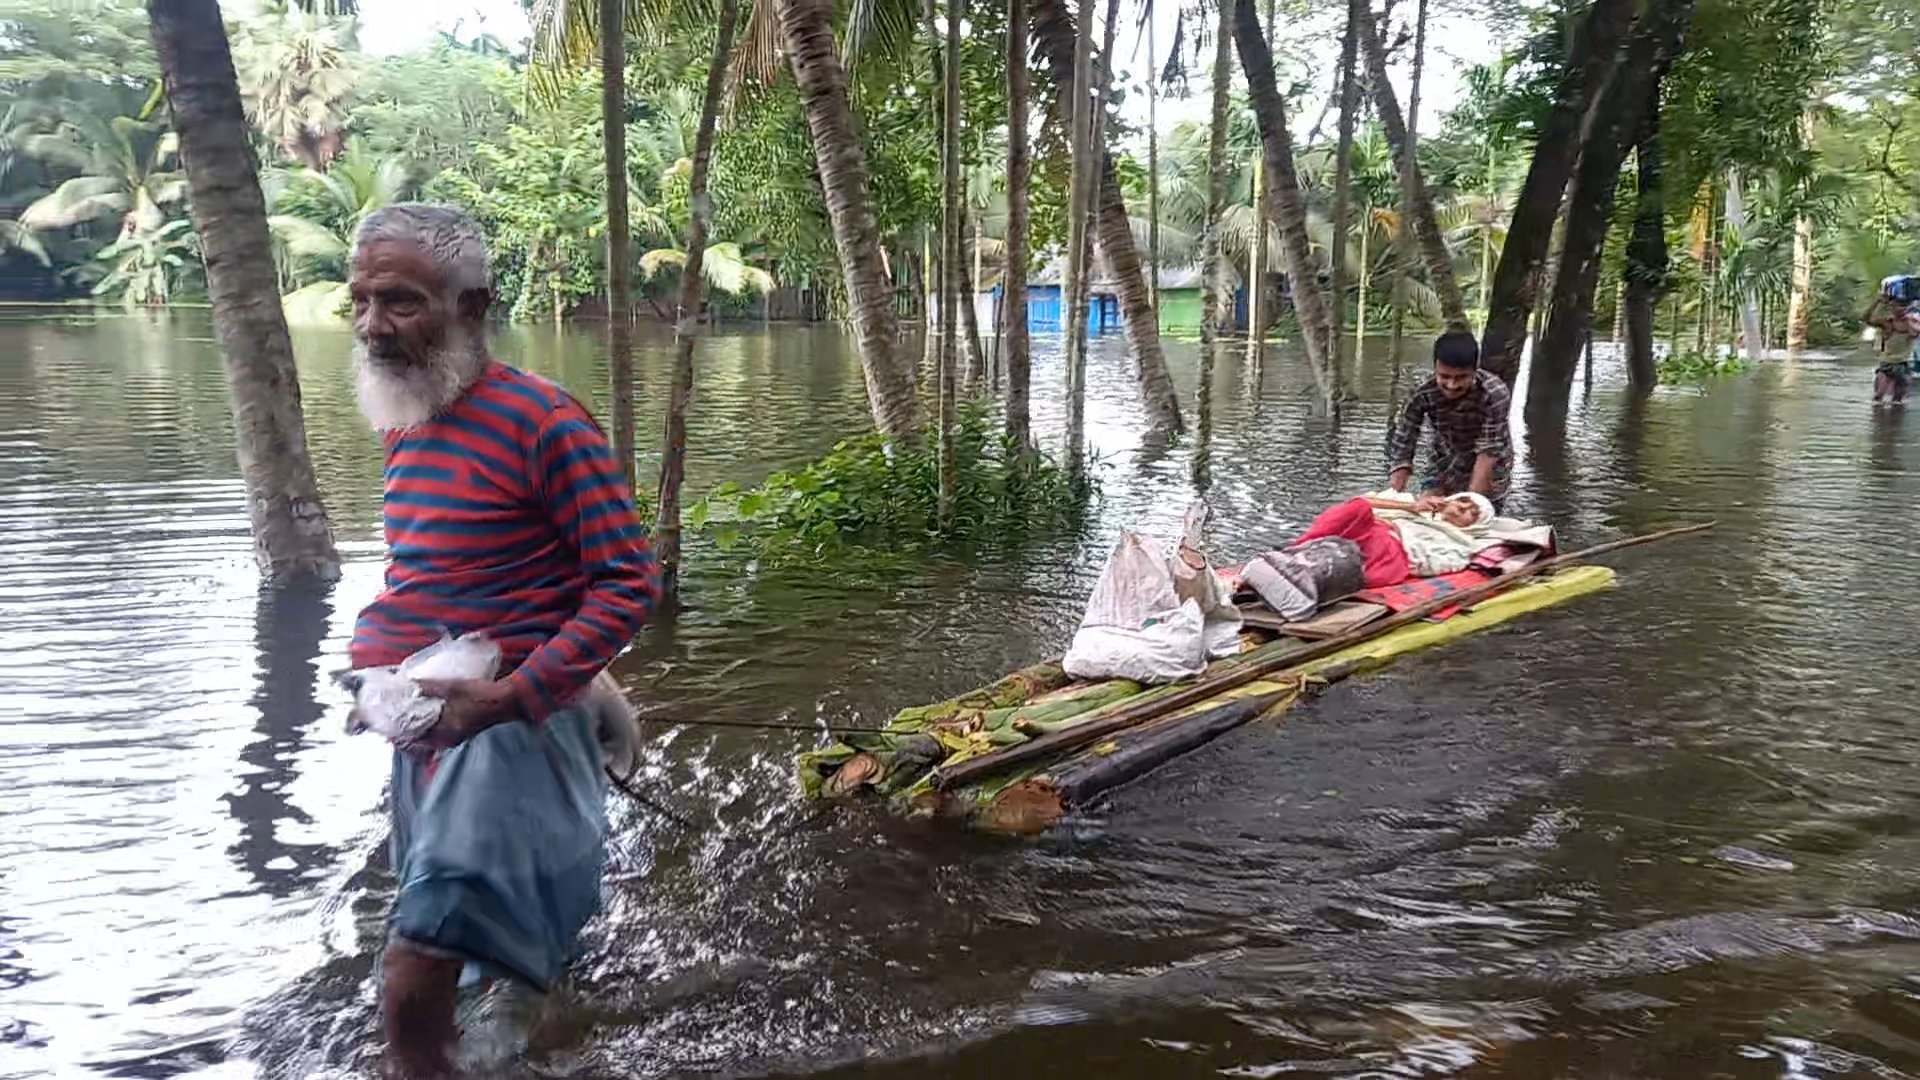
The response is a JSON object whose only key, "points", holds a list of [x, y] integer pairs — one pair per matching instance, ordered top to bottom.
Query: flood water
{"points": [[1668, 831]]}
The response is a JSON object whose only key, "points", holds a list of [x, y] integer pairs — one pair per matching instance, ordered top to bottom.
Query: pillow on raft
{"points": [[1300, 580]]}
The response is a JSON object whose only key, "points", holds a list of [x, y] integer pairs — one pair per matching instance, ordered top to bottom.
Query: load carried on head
{"points": [[1894, 319]]}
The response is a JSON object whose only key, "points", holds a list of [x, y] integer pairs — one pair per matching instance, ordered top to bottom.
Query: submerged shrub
{"points": [[1697, 367], [870, 495]]}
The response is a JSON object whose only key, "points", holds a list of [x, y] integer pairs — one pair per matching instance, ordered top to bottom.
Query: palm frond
{"points": [[879, 30], [756, 57], [83, 198], [17, 237], [304, 239], [653, 262], [320, 303]]}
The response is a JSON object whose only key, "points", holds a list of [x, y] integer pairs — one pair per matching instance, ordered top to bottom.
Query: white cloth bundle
{"points": [[388, 701]]}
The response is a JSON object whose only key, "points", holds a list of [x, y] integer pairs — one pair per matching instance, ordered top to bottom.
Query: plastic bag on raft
{"points": [[1194, 579], [1298, 581], [1154, 618], [1171, 646], [388, 701]]}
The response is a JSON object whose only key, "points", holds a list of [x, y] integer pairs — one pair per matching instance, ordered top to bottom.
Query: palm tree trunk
{"points": [[808, 26], [1055, 32], [1617, 118], [613, 124], [1153, 164], [1343, 172], [1079, 186], [1416, 200], [1287, 204], [1403, 240], [1213, 261], [1366, 268], [1646, 273], [951, 274], [1516, 282], [1013, 289], [931, 291], [1800, 300], [1257, 314], [686, 323], [976, 356], [973, 374], [291, 539]]}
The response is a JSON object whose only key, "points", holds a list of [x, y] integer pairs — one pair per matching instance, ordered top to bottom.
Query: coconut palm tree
{"points": [[567, 31], [1056, 35], [296, 77], [822, 80], [131, 172], [1414, 194], [1288, 203], [314, 218], [1476, 224], [724, 267], [1213, 271], [1014, 295], [686, 325], [291, 537]]}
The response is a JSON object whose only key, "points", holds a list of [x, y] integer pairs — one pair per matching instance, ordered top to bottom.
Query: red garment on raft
{"points": [[1386, 557]]}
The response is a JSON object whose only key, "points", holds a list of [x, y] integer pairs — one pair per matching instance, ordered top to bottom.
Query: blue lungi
{"points": [[498, 853]]}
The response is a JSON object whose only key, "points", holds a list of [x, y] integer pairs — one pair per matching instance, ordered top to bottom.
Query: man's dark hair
{"points": [[1457, 348]]}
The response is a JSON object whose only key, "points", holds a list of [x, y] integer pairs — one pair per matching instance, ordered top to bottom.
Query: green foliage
{"points": [[77, 56], [297, 73], [1735, 95], [433, 108], [128, 172], [540, 194], [312, 221], [149, 267], [1697, 367], [868, 495]]}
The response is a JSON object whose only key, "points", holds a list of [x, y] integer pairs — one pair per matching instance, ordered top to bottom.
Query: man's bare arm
{"points": [[1482, 480]]}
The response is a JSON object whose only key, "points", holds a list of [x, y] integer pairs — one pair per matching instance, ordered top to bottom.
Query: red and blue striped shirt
{"points": [[508, 513]]}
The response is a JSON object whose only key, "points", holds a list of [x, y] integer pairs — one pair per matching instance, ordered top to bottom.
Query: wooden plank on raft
{"points": [[1335, 619]]}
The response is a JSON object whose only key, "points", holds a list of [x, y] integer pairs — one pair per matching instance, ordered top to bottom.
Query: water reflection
{"points": [[289, 626], [1670, 831]]}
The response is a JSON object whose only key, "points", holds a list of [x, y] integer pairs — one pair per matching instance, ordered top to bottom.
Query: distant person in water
{"points": [[1899, 326], [1472, 448], [506, 513]]}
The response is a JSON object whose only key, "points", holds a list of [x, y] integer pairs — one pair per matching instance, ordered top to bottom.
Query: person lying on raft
{"points": [[1406, 537]]}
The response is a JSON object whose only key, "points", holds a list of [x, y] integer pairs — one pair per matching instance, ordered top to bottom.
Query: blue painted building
{"points": [[1180, 301], [1044, 314]]}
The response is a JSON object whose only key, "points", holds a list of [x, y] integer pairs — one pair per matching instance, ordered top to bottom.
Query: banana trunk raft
{"points": [[940, 760]]}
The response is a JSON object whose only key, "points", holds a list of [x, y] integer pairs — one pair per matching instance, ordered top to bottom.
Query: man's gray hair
{"points": [[450, 238]]}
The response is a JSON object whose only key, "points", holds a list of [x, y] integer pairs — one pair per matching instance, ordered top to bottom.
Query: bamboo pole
{"points": [[1094, 729]]}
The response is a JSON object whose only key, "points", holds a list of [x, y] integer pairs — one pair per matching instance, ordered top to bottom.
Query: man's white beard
{"points": [[398, 398]]}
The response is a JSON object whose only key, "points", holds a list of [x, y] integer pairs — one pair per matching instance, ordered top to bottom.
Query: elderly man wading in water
{"points": [[506, 513]]}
